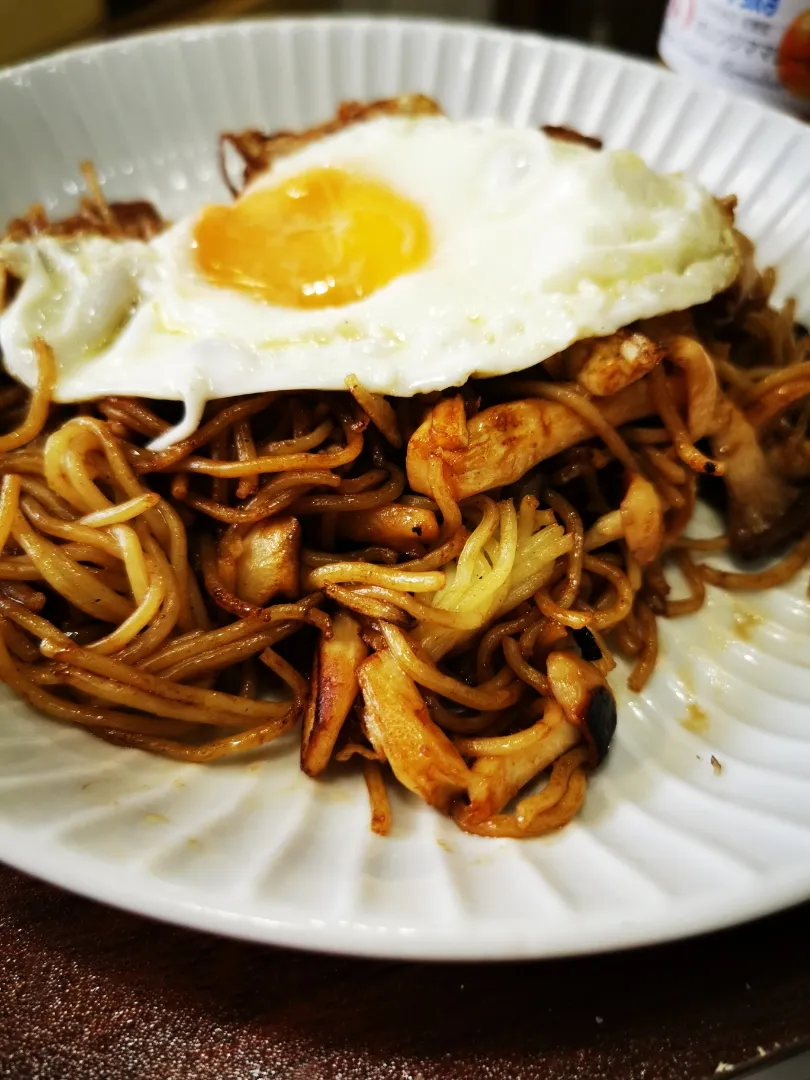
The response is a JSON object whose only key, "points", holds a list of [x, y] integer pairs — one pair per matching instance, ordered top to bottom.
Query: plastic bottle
{"points": [[757, 47]]}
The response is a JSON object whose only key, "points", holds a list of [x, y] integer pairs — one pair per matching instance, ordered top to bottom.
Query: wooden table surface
{"points": [[89, 993]]}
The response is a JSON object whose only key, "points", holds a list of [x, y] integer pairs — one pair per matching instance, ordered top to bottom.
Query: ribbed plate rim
{"points": [[85, 875]]}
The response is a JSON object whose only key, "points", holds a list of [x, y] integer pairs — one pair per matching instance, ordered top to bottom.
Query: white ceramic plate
{"points": [[665, 846]]}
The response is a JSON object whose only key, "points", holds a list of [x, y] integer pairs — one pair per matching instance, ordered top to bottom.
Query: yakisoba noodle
{"points": [[431, 587]]}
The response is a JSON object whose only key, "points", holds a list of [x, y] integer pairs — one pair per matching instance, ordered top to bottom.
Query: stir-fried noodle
{"points": [[432, 587]]}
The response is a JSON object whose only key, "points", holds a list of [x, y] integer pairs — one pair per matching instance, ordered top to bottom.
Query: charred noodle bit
{"points": [[446, 607]]}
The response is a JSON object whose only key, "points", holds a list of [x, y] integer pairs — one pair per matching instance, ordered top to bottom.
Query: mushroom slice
{"points": [[334, 688], [586, 700], [398, 723]]}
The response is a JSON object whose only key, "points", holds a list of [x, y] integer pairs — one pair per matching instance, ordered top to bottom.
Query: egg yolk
{"points": [[321, 239]]}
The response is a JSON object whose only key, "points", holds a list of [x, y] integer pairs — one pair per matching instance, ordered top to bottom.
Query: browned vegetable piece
{"points": [[571, 135], [259, 150], [136, 220], [605, 365], [701, 382], [449, 424], [505, 441], [759, 500], [642, 517], [393, 526], [269, 564], [587, 644], [334, 688], [586, 700], [422, 757], [497, 779], [378, 798]]}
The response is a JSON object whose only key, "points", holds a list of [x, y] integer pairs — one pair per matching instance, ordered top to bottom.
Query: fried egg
{"points": [[411, 253]]}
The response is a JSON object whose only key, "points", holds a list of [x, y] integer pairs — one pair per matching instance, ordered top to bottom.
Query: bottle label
{"points": [[757, 47]]}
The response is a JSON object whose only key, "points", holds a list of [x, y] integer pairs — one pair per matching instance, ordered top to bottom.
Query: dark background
{"points": [[628, 25], [30, 27], [87, 993]]}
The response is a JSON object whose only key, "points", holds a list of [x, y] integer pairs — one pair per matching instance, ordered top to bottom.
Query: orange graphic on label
{"points": [[793, 62]]}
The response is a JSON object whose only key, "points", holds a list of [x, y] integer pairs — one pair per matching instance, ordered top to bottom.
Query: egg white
{"points": [[535, 244]]}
